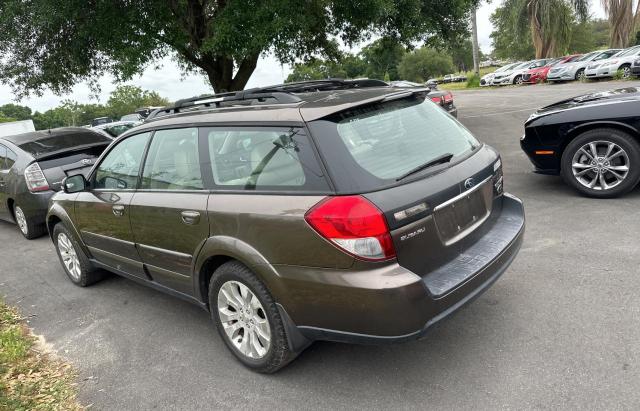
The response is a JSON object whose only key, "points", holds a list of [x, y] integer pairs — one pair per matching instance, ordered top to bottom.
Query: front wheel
{"points": [[626, 71], [580, 75], [518, 80], [602, 163], [75, 263], [247, 319]]}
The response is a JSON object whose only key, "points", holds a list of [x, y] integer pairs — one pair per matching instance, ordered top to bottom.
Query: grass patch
{"points": [[30, 379]]}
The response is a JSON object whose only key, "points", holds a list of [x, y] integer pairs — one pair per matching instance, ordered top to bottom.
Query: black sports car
{"points": [[593, 141], [32, 166]]}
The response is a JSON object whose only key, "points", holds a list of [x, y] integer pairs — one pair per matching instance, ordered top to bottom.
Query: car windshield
{"points": [[629, 52], [586, 57], [388, 140], [57, 143]]}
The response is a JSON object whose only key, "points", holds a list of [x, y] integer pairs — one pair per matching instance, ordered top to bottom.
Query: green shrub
{"points": [[473, 81]]}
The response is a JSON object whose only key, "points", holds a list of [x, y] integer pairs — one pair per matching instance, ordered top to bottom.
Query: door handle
{"points": [[118, 210], [190, 217]]}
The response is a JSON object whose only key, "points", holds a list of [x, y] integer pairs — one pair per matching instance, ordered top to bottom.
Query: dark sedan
{"points": [[593, 141], [32, 166]]}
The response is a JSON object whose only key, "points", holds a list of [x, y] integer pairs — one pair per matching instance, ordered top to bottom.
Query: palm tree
{"points": [[621, 20], [549, 22]]}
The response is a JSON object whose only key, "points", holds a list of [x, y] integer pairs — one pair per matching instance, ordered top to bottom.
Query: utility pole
{"points": [[474, 41]]}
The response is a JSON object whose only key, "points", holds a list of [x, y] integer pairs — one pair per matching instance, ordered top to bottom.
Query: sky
{"points": [[169, 82]]}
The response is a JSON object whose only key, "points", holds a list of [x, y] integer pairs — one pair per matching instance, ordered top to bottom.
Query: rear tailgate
{"points": [[56, 168], [434, 236]]}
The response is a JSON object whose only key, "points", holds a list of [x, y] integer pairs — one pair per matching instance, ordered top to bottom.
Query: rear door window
{"points": [[263, 159], [173, 161]]}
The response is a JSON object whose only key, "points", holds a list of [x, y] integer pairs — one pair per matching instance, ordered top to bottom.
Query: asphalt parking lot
{"points": [[561, 329]]}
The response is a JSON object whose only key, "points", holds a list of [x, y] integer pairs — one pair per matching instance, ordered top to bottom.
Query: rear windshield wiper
{"points": [[445, 158]]}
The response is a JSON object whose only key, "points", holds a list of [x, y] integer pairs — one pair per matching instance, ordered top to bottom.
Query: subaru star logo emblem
{"points": [[469, 183]]}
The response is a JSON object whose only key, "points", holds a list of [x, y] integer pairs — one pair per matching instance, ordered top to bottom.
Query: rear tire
{"points": [[619, 165], [27, 226], [74, 262], [239, 327]]}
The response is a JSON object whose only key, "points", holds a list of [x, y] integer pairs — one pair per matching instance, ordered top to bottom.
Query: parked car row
{"points": [[597, 64], [292, 213]]}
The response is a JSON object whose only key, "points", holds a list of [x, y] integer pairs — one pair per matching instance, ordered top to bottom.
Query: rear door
{"points": [[4, 174], [169, 211], [103, 213]]}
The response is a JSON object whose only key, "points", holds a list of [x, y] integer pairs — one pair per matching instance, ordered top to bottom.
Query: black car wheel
{"points": [[626, 71], [580, 74], [518, 80], [602, 163], [27, 226], [75, 263], [247, 318]]}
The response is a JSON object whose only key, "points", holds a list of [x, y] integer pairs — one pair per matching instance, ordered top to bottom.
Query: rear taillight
{"points": [[448, 98], [437, 100], [36, 181], [353, 224]]}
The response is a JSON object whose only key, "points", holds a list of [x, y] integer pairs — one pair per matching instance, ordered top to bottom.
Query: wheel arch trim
{"points": [[223, 249]]}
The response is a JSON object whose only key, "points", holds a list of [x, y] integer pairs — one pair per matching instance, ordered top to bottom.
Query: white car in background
{"points": [[621, 61], [574, 70], [593, 70], [514, 75], [487, 79]]}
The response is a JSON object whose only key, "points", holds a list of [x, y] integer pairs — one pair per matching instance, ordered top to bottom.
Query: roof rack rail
{"points": [[281, 93]]}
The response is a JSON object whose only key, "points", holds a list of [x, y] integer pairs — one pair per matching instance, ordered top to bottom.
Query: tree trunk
{"points": [[474, 43], [220, 72]]}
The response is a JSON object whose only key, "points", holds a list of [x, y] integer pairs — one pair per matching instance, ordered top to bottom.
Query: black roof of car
{"points": [[290, 103], [29, 137]]}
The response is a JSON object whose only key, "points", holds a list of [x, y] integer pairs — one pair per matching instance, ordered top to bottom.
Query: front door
{"points": [[169, 211], [103, 213]]}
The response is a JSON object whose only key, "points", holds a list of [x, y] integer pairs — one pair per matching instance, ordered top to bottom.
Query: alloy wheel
{"points": [[626, 72], [519, 80], [600, 165], [21, 220], [69, 256], [244, 320]]}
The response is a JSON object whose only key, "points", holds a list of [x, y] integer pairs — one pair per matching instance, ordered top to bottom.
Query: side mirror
{"points": [[74, 184]]}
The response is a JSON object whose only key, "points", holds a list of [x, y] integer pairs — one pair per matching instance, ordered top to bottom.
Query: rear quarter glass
{"points": [[368, 148]]}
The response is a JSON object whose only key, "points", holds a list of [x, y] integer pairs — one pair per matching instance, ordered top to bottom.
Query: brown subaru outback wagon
{"points": [[333, 210]]}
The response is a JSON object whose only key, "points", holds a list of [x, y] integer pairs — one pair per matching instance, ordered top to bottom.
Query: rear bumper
{"points": [[35, 205], [392, 304]]}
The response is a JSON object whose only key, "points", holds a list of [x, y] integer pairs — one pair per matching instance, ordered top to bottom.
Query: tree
{"points": [[621, 20], [548, 21], [474, 43], [56, 44], [507, 44], [462, 54], [382, 57], [423, 64], [316, 69], [126, 99], [15, 112]]}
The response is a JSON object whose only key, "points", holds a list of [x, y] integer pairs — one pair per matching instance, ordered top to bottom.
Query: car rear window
{"points": [[62, 142], [377, 144]]}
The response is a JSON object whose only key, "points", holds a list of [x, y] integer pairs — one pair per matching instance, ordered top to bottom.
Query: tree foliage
{"points": [[622, 21], [547, 23], [56, 44], [382, 58], [423, 64], [123, 100]]}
